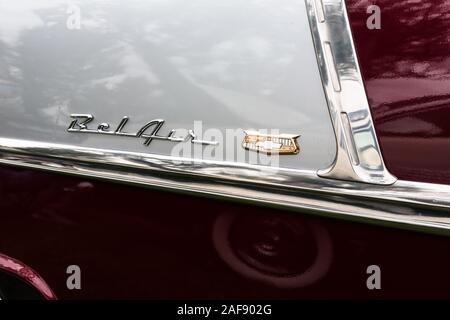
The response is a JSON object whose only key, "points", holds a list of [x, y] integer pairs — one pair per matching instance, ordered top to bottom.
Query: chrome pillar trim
{"points": [[358, 156], [406, 203]]}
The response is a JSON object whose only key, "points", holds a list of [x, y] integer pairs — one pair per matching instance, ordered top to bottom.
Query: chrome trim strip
{"points": [[346, 96], [405, 203]]}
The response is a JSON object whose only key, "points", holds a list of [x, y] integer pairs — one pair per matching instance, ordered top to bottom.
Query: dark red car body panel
{"points": [[406, 69], [134, 242]]}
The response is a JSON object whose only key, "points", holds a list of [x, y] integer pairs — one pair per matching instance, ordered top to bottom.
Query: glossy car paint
{"points": [[232, 65], [406, 67], [139, 243]]}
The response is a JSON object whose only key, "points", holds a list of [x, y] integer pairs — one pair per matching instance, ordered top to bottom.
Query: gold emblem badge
{"points": [[270, 143]]}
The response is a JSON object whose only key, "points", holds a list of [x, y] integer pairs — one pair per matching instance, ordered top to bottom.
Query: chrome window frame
{"points": [[358, 156]]}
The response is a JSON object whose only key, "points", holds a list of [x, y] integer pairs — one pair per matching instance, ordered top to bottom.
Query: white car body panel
{"points": [[231, 65]]}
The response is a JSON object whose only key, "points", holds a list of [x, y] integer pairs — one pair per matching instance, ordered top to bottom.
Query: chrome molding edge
{"points": [[358, 156], [404, 203]]}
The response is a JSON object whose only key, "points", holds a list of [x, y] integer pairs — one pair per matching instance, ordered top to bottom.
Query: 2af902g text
{"points": [[224, 310]]}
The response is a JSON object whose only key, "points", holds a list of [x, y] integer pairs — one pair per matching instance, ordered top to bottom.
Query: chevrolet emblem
{"points": [[270, 143]]}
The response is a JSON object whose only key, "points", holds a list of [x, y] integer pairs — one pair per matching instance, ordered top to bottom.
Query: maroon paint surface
{"points": [[406, 68], [134, 242]]}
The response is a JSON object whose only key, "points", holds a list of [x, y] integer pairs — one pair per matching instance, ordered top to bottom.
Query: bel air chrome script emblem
{"points": [[148, 132], [270, 143]]}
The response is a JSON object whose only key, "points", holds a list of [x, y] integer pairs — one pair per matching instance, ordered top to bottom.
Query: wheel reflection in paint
{"points": [[280, 250]]}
